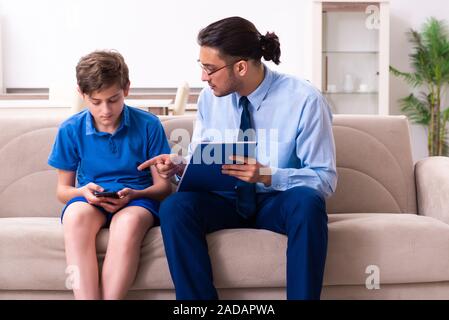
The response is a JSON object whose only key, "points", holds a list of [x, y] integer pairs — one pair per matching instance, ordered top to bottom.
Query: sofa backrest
{"points": [[373, 157], [374, 164], [27, 183]]}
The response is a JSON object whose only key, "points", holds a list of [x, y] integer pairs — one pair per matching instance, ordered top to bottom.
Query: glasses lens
{"points": [[205, 69], [210, 72]]}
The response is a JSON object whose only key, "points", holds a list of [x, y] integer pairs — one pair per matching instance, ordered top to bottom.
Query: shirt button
{"points": [[112, 146]]}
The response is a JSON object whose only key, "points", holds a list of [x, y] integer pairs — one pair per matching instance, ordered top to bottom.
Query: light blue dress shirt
{"points": [[293, 124]]}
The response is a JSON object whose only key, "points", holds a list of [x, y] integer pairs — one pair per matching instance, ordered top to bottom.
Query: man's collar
{"points": [[256, 97]]}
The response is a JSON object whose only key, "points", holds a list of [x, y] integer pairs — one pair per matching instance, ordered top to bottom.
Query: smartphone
{"points": [[106, 194]]}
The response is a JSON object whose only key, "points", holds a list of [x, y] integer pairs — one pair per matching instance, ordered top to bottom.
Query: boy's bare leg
{"points": [[81, 223], [126, 233]]}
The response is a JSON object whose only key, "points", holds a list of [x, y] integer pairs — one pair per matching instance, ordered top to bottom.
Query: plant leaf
{"points": [[412, 78], [416, 109]]}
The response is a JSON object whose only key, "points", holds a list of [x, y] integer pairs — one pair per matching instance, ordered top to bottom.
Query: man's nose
{"points": [[204, 76]]}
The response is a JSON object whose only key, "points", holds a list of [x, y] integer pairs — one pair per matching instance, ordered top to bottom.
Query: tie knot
{"points": [[244, 102]]}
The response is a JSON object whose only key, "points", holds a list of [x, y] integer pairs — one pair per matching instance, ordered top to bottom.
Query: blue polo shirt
{"points": [[109, 160]]}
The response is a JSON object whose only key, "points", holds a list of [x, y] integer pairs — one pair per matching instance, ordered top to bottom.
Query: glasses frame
{"points": [[209, 73]]}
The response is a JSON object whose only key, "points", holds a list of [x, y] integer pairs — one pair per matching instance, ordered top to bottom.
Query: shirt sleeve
{"points": [[157, 142], [315, 147], [64, 154]]}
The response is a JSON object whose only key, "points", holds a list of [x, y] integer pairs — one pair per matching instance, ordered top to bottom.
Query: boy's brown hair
{"points": [[100, 70]]}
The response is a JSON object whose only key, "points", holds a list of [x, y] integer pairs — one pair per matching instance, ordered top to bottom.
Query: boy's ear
{"points": [[126, 89], [79, 92]]}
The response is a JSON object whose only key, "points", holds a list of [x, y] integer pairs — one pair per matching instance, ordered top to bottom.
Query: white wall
{"points": [[406, 14], [44, 39]]}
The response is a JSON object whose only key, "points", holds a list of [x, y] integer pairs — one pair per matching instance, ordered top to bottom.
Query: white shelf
{"points": [[350, 40], [350, 52], [349, 93]]}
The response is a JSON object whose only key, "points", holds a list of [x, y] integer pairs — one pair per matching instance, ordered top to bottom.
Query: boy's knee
{"points": [[79, 215], [74, 216], [125, 220]]}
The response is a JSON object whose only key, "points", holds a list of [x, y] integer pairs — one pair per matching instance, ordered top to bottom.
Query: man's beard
{"points": [[230, 86]]}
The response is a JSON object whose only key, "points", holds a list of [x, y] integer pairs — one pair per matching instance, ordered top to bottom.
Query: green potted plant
{"points": [[430, 62]]}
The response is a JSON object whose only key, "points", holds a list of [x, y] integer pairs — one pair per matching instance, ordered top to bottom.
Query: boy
{"points": [[101, 147]]}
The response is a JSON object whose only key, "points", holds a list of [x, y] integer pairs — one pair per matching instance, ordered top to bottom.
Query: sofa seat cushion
{"points": [[407, 248], [33, 258]]}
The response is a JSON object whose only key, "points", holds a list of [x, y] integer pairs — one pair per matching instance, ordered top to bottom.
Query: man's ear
{"points": [[242, 67]]}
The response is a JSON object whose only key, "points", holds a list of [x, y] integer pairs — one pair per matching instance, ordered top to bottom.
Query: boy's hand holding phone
{"points": [[88, 192], [106, 195], [110, 201], [118, 201]]}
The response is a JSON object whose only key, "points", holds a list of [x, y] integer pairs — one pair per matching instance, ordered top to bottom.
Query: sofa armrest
{"points": [[432, 186]]}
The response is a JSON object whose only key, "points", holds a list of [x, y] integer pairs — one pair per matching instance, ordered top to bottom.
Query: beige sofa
{"points": [[388, 221]]}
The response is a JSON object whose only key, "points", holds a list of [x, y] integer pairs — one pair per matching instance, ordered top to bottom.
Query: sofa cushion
{"points": [[179, 130], [374, 162], [374, 165], [27, 183], [407, 249], [33, 257]]}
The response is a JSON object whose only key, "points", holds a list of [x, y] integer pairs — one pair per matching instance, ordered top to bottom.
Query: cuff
{"points": [[279, 180]]}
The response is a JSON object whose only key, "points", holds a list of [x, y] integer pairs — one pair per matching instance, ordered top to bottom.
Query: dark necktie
{"points": [[246, 192]]}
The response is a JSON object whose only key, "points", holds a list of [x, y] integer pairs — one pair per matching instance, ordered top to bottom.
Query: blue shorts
{"points": [[150, 205]]}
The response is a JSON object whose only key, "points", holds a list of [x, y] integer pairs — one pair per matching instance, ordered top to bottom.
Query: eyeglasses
{"points": [[211, 72]]}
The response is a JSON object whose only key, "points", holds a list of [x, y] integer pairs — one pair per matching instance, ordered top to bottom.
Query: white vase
{"points": [[348, 84]]}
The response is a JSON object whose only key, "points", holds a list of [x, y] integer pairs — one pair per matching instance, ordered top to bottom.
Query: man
{"points": [[283, 192]]}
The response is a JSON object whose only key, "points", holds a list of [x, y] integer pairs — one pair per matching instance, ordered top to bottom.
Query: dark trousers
{"points": [[299, 213]]}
